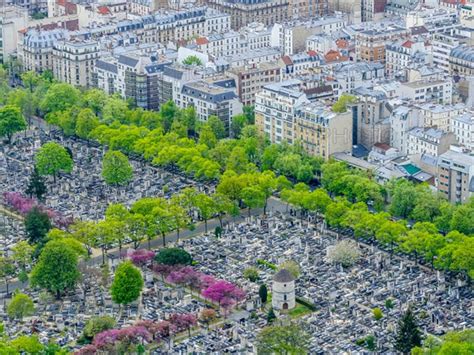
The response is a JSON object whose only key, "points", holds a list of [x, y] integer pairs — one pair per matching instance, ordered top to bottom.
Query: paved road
{"points": [[273, 205]]}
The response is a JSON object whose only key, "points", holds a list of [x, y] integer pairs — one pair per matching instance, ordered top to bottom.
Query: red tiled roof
{"points": [[103, 10], [202, 41], [342, 43], [407, 44], [312, 53], [334, 56], [287, 60]]}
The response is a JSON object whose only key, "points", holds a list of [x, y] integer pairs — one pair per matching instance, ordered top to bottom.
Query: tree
{"points": [[192, 60], [60, 97], [24, 100], [95, 100], [341, 105], [115, 110], [168, 112], [11, 121], [86, 122], [238, 122], [217, 126], [207, 136], [52, 158], [238, 161], [116, 169], [36, 186], [404, 195], [253, 197], [205, 206], [37, 225], [345, 253], [22, 254], [173, 256], [291, 266], [57, 268], [7, 270], [251, 274], [127, 284], [263, 293], [226, 294], [20, 306], [377, 313], [271, 315], [207, 316], [98, 324], [408, 335], [289, 339], [27, 345]]}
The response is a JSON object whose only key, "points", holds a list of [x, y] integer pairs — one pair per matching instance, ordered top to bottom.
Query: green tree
{"points": [[192, 60], [60, 97], [24, 100], [95, 100], [341, 105], [115, 109], [168, 112], [249, 112], [11, 121], [86, 122], [237, 124], [217, 126], [207, 136], [53, 158], [238, 161], [116, 169], [36, 186], [404, 195], [253, 197], [205, 206], [462, 218], [37, 225], [22, 254], [173, 256], [57, 268], [7, 270], [251, 274], [127, 284], [263, 293], [20, 306], [377, 313], [271, 316], [98, 324], [408, 335], [290, 339], [27, 345]]}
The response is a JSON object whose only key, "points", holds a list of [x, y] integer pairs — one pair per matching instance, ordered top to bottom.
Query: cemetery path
{"points": [[274, 205]]}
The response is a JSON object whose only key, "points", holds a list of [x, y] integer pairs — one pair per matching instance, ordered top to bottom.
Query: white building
{"points": [[12, 19], [402, 54], [402, 119], [463, 128], [431, 141], [283, 291]]}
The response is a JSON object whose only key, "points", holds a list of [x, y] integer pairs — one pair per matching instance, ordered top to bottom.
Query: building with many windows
{"points": [[74, 61], [461, 61], [462, 126], [428, 140], [456, 175]]}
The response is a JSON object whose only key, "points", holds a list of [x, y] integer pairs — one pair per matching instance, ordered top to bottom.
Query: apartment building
{"points": [[307, 8], [372, 10], [244, 12], [12, 19], [255, 36], [291, 36], [372, 37], [220, 44], [443, 44], [35, 49], [401, 55], [74, 61], [461, 61], [299, 63], [134, 76], [351, 76], [251, 79], [434, 91], [211, 98], [275, 108], [439, 116], [370, 118], [402, 119], [462, 126], [322, 132], [429, 140], [455, 178]]}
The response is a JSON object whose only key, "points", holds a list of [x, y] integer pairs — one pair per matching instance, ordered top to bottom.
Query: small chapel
{"points": [[283, 291]]}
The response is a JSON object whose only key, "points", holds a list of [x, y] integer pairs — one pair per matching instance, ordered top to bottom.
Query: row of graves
{"points": [[83, 194], [344, 297]]}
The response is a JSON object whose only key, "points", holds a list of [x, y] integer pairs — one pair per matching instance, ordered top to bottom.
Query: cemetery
{"points": [[339, 304]]}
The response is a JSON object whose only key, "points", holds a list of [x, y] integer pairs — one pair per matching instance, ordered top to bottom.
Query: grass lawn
{"points": [[299, 310]]}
